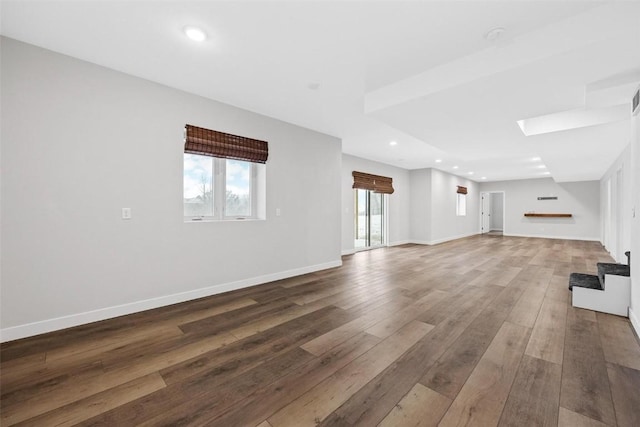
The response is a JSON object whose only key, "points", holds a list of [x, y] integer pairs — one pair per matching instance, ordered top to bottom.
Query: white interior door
{"points": [[486, 212]]}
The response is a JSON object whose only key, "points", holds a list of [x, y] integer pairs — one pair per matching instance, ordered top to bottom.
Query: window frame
{"points": [[219, 187], [252, 191], [461, 204]]}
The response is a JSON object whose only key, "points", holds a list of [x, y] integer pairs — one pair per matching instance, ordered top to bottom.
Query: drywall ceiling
{"points": [[420, 73]]}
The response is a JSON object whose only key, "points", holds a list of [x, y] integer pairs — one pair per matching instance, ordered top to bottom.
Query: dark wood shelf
{"points": [[549, 215]]}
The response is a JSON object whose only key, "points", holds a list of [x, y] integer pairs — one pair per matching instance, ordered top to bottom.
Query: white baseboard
{"points": [[448, 239], [589, 239], [438, 241], [400, 242], [352, 251], [635, 322], [49, 325]]}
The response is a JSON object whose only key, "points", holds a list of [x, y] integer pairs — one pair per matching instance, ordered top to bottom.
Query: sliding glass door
{"points": [[369, 219]]}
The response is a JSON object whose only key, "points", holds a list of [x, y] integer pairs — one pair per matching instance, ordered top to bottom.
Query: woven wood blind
{"points": [[212, 143], [375, 183], [462, 190]]}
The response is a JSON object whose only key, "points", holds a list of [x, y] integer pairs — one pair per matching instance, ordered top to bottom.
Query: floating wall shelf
{"points": [[549, 215]]}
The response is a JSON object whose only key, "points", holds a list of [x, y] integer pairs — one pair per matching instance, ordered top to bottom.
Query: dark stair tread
{"points": [[611, 268], [582, 280]]}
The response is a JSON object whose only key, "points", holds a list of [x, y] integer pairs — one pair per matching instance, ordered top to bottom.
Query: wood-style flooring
{"points": [[478, 331]]}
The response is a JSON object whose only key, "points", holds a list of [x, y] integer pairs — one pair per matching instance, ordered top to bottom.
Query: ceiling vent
{"points": [[635, 102]]}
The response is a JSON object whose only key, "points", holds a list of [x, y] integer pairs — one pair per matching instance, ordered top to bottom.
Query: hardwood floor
{"points": [[478, 331]]}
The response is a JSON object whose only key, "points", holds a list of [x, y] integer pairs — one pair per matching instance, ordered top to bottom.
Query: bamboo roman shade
{"points": [[208, 142], [375, 183], [462, 190]]}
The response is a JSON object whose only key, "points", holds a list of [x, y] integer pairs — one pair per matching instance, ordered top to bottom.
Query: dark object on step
{"points": [[611, 268], [584, 281], [597, 282]]}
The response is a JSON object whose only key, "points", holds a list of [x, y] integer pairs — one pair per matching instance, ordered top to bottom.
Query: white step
{"points": [[614, 299]]}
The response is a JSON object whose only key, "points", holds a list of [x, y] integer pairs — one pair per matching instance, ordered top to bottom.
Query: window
{"points": [[224, 175], [198, 186], [238, 188], [218, 189], [461, 206]]}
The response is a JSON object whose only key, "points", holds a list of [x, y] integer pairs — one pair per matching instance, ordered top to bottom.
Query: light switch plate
{"points": [[126, 213]]}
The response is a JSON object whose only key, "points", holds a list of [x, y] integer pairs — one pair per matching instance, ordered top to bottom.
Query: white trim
{"points": [[462, 236], [447, 239], [589, 239], [400, 242], [420, 242], [368, 248], [352, 251], [634, 321], [49, 325]]}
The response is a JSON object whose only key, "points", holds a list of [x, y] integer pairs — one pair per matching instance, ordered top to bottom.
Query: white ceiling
{"points": [[417, 72]]}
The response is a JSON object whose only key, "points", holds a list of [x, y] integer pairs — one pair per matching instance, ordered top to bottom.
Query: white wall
{"points": [[80, 142], [581, 199], [398, 202], [433, 207], [497, 214], [420, 215], [445, 225], [619, 226], [634, 312]]}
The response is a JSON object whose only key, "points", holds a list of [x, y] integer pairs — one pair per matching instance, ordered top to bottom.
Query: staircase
{"points": [[607, 292]]}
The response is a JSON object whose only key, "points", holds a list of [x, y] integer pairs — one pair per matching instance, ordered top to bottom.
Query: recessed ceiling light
{"points": [[195, 33], [494, 34], [392, 143], [535, 159], [438, 160], [455, 167], [541, 167], [470, 173], [546, 173], [484, 177]]}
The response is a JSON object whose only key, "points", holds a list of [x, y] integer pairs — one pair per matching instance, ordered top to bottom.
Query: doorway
{"points": [[492, 213], [370, 221]]}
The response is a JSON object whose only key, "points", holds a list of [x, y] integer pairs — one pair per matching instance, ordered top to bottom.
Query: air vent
{"points": [[635, 103]]}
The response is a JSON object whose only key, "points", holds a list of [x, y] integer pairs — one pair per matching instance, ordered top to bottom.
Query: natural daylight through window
{"points": [[218, 189]]}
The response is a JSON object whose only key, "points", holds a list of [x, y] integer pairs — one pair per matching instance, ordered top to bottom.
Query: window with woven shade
{"points": [[207, 142], [223, 175], [375, 183], [461, 201]]}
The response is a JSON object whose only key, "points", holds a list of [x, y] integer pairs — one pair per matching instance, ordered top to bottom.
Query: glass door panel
{"points": [[376, 212], [362, 219], [369, 219]]}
